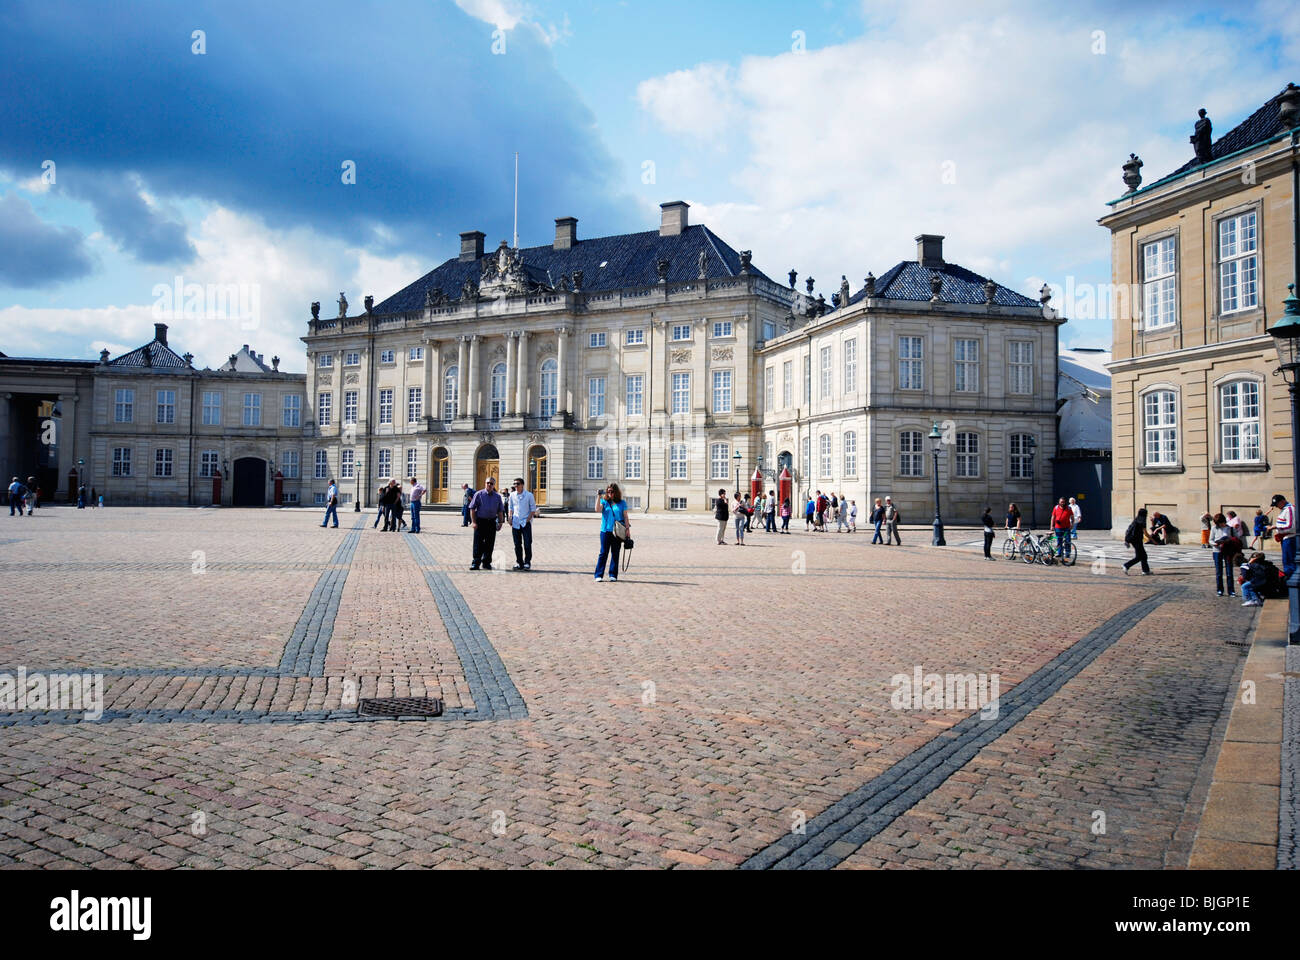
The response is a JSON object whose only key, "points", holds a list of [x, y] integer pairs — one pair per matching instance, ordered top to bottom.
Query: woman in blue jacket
{"points": [[613, 510]]}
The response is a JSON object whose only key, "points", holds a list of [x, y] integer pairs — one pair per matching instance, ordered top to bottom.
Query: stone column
{"points": [[512, 358], [431, 362], [462, 375], [473, 375], [521, 375], [561, 385], [67, 438]]}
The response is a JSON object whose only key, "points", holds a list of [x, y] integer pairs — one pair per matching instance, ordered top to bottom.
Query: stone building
{"points": [[1201, 259], [849, 399]]}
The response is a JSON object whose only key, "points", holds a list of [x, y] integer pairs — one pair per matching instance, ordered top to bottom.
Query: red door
{"points": [[783, 487], [216, 490]]}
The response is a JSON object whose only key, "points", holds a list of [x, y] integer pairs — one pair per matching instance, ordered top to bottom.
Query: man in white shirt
{"points": [[417, 495], [331, 504], [522, 510], [1077, 511], [1284, 527]]}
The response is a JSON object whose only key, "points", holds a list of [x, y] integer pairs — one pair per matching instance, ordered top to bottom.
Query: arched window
{"points": [[550, 387], [498, 391], [451, 393], [1239, 420], [1160, 428], [850, 454]]}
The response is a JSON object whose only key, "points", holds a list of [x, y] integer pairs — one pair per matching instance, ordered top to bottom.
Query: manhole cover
{"points": [[401, 707]]}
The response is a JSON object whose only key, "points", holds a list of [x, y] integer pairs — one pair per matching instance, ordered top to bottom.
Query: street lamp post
{"points": [[1286, 335], [936, 439], [736, 457], [1033, 484]]}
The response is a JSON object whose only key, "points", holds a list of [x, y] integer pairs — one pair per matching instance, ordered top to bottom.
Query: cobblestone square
{"points": [[718, 707]]}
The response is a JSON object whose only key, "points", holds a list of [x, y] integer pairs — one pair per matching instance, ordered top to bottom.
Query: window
{"points": [[1238, 263], [1159, 297], [722, 328], [681, 331], [634, 338], [595, 340], [415, 353], [910, 355], [387, 356], [352, 359], [325, 360], [851, 365], [966, 366], [1020, 369], [825, 373], [807, 377], [787, 384], [769, 389], [550, 390], [721, 391], [450, 392], [681, 393], [635, 394], [596, 397], [414, 404], [386, 405], [497, 405], [166, 406], [350, 406], [123, 407], [212, 409], [253, 409], [324, 409], [292, 410], [1239, 422], [1160, 427], [824, 454], [850, 454], [767, 455], [807, 455], [968, 455], [910, 457], [121, 461], [632, 461], [677, 461], [719, 461], [1022, 461], [162, 462], [385, 462], [412, 462], [595, 463], [209, 464], [289, 464], [348, 464], [322, 465], [290, 496], [318, 498], [633, 503], [676, 503]]}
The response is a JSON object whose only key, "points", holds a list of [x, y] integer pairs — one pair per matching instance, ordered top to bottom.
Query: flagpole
{"points": [[516, 199]]}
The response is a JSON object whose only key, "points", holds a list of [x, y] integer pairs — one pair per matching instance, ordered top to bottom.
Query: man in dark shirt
{"points": [[486, 511]]}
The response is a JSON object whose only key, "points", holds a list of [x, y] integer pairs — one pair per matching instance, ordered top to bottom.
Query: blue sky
{"points": [[823, 136]]}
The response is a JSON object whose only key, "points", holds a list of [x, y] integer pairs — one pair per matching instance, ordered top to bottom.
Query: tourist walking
{"points": [[16, 494], [388, 494], [466, 495], [81, 498], [417, 498], [331, 504], [379, 505], [523, 507], [398, 509], [486, 511], [809, 512], [1077, 513], [720, 514], [770, 514], [785, 515], [842, 516], [892, 519], [740, 520], [878, 520], [987, 521], [615, 527], [1261, 529], [1284, 530], [1133, 537], [1226, 547]]}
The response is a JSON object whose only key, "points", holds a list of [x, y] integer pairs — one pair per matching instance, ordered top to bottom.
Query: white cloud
{"points": [[509, 14], [696, 103]]}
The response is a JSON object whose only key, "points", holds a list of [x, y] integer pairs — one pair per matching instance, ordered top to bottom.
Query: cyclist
{"points": [[1062, 523]]}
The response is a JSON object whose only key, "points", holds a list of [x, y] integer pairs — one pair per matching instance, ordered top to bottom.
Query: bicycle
{"points": [[1011, 545], [1043, 550]]}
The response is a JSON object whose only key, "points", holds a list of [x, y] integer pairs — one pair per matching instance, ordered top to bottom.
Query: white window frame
{"points": [[1159, 259], [1238, 262], [723, 329], [681, 333], [634, 337], [597, 340], [415, 354], [387, 356], [826, 357], [352, 359], [325, 360], [911, 362], [851, 365], [966, 365], [1020, 367], [787, 385], [769, 388], [549, 390], [497, 391], [722, 391], [451, 392], [681, 392], [634, 394], [595, 396], [212, 401], [165, 403], [414, 404], [124, 405], [351, 405], [386, 406], [252, 409], [325, 409], [292, 410], [1160, 428], [1239, 429], [850, 444], [911, 453], [825, 455], [966, 455], [121, 461], [632, 461], [719, 461], [1022, 461], [163, 462], [412, 462], [595, 462], [385, 463], [209, 464], [290, 464], [321, 465], [347, 465], [678, 465]]}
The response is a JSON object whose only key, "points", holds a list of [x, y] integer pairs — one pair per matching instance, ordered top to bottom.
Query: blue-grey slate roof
{"points": [[1262, 125], [629, 260], [909, 280], [160, 355]]}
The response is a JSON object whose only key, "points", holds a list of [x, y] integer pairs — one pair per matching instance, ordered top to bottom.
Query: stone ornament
{"points": [[1201, 137], [1133, 172], [343, 305], [315, 309], [722, 353], [681, 356], [351, 378]]}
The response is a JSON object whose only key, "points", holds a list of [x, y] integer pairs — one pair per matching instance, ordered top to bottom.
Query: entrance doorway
{"points": [[487, 464], [538, 474], [439, 475], [249, 488]]}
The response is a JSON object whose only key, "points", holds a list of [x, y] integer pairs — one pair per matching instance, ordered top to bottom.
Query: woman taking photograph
{"points": [[741, 517], [614, 529], [1226, 546]]}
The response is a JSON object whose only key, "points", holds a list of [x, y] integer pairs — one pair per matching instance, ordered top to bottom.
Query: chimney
{"points": [[673, 220], [566, 232], [471, 245], [929, 251], [160, 333]]}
